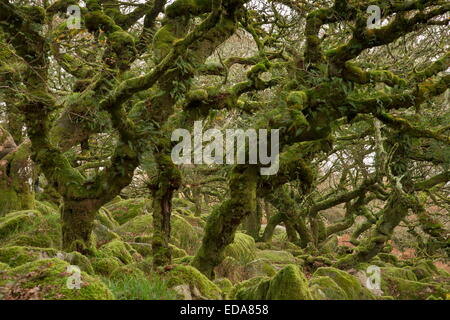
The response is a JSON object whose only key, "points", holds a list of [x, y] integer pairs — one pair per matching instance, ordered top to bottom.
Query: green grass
{"points": [[139, 288]]}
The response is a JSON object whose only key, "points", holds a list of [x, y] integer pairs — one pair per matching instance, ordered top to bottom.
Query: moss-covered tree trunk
{"points": [[16, 173], [167, 181], [197, 197], [224, 221], [252, 223], [77, 225], [270, 227]]}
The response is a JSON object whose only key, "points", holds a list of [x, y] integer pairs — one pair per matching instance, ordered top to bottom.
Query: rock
{"points": [[125, 210], [31, 228], [330, 245], [117, 249], [242, 249], [15, 256], [276, 257], [105, 266], [259, 267], [128, 271], [188, 275], [47, 279], [224, 284], [288, 284], [349, 284], [324, 288], [403, 289], [184, 291]]}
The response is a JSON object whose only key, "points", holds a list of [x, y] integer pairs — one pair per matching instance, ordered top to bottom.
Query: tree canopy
{"points": [[87, 114]]}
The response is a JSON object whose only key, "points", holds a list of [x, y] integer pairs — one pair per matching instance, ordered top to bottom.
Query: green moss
{"points": [[187, 7], [163, 40], [197, 95], [298, 98], [46, 208], [125, 210], [105, 217], [17, 221], [140, 226], [31, 228], [185, 233], [103, 234], [330, 246], [243, 248], [117, 249], [144, 249], [177, 252], [16, 255], [276, 257], [389, 258], [77, 259], [184, 260], [3, 266], [105, 266], [259, 267], [232, 269], [424, 269], [123, 272], [404, 273], [181, 274], [50, 276], [224, 284], [288, 284], [349, 284], [245, 285], [324, 288], [403, 289]]}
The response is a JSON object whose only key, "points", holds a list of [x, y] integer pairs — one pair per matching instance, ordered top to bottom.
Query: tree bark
{"points": [[224, 221]]}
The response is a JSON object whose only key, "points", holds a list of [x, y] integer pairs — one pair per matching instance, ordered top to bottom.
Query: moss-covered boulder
{"points": [[125, 210], [105, 217], [17, 221], [141, 226], [31, 228], [103, 234], [184, 235], [330, 245], [117, 249], [144, 249], [242, 249], [177, 252], [15, 256], [276, 257], [388, 258], [4, 266], [105, 266], [259, 267], [232, 269], [425, 269], [123, 272], [406, 273], [188, 275], [48, 279], [224, 284], [288, 284], [349, 284], [244, 285], [324, 288], [404, 289]]}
